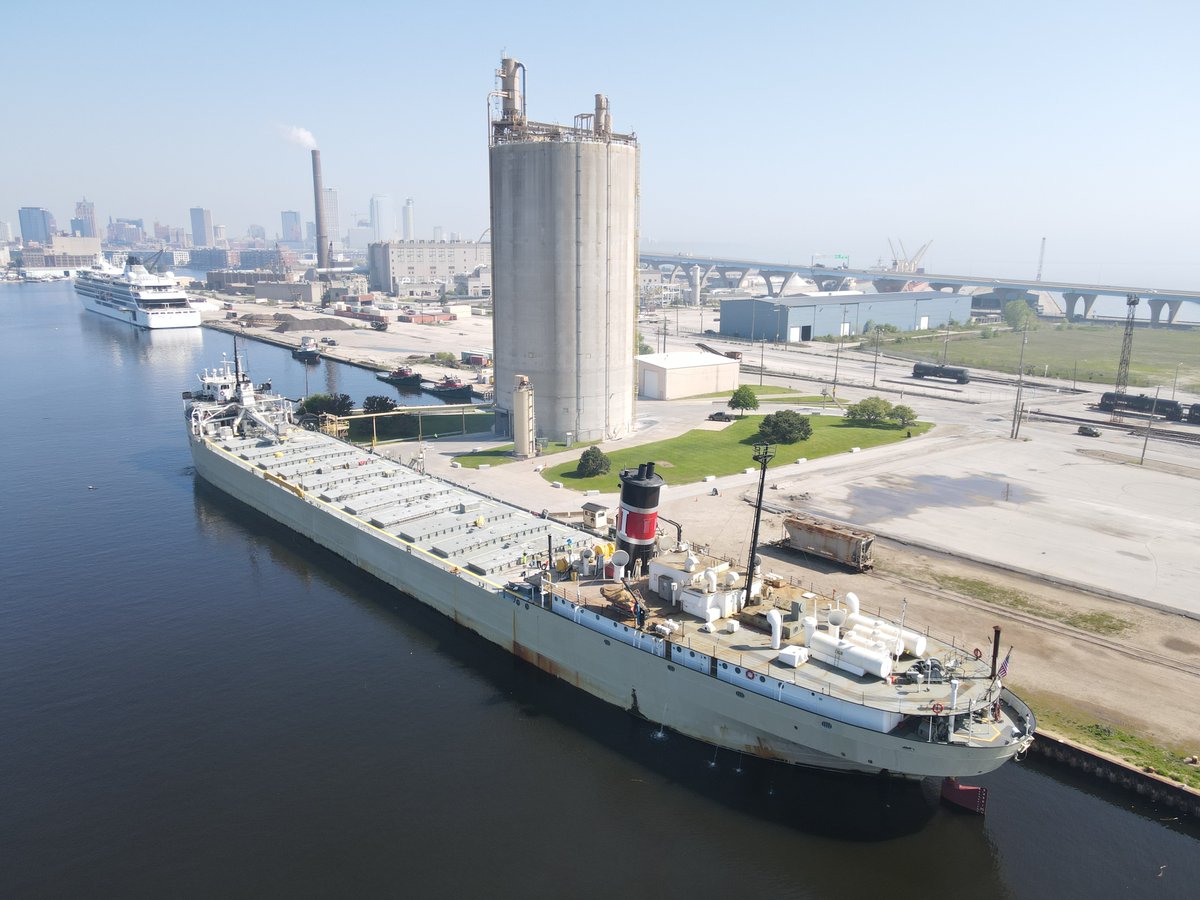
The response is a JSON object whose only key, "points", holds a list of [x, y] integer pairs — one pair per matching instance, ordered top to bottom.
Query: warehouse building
{"points": [[806, 317], [670, 376]]}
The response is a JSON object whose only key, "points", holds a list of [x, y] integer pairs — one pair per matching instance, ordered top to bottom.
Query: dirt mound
{"points": [[287, 322]]}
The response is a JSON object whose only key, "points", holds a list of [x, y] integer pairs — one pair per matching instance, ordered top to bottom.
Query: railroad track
{"points": [[1158, 430], [1087, 637]]}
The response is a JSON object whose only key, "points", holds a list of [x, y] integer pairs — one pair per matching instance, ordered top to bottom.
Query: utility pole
{"points": [[946, 343], [875, 371], [1149, 422], [1016, 423]]}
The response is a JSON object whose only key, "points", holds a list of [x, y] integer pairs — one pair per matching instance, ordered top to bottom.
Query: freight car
{"points": [[933, 370], [1171, 410], [1193, 415], [831, 540]]}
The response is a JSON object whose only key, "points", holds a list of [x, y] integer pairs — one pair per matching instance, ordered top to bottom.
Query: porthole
{"points": [[607, 642], [693, 654], [671, 668], [737, 669], [740, 694], [827, 725]]}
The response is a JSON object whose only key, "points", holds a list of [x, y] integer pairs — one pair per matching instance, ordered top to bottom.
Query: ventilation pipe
{"points": [[775, 620]]}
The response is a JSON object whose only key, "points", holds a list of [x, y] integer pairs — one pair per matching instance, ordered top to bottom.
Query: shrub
{"points": [[378, 404], [871, 411], [903, 416], [785, 427], [592, 462]]}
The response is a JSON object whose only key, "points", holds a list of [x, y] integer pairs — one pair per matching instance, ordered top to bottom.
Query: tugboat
{"points": [[309, 351], [401, 376], [449, 388]]}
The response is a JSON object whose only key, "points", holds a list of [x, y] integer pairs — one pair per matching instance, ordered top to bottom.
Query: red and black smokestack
{"points": [[322, 238], [637, 518]]}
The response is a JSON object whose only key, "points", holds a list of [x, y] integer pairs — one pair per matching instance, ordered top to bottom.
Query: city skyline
{"points": [[983, 131]]}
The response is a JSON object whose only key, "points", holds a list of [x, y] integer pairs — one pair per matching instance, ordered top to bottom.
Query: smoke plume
{"points": [[301, 136]]}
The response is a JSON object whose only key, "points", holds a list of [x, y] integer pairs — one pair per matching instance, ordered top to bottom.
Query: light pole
{"points": [[762, 352], [837, 356], [875, 371], [1175, 381], [763, 454]]}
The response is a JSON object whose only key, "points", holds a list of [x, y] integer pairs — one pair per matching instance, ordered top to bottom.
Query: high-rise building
{"points": [[329, 208], [383, 218], [84, 223], [37, 224], [291, 226], [202, 227], [410, 227], [256, 233], [439, 233], [6, 234], [218, 238], [564, 267]]}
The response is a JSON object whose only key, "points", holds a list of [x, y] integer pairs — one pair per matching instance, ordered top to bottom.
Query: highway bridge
{"points": [[779, 277]]}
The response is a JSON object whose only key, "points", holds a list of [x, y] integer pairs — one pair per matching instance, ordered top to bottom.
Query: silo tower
{"points": [[564, 265]]}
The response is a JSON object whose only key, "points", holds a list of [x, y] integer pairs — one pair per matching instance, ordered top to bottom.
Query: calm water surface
{"points": [[196, 703]]}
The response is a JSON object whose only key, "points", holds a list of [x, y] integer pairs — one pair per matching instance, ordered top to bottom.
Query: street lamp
{"points": [[837, 356]]}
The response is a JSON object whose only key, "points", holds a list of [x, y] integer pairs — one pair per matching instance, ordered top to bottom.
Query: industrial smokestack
{"points": [[322, 238]]}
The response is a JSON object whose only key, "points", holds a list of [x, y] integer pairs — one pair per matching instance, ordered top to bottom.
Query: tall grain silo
{"points": [[564, 266]]}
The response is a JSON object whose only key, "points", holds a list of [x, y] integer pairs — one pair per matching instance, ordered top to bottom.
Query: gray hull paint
{"points": [[689, 702]]}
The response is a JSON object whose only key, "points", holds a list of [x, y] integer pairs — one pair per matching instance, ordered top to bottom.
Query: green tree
{"points": [[1019, 314], [643, 347], [743, 398], [333, 404], [378, 404], [871, 411], [903, 415], [785, 427], [593, 461]]}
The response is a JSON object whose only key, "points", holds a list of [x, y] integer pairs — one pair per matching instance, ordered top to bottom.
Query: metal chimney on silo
{"points": [[322, 238]]}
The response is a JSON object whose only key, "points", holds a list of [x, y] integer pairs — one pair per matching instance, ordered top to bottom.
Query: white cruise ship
{"points": [[136, 296]]}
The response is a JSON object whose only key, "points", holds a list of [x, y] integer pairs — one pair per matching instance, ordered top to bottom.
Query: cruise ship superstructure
{"points": [[136, 296], [753, 664]]}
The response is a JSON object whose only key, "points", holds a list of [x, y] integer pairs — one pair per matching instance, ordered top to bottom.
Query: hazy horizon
{"points": [[773, 133]]}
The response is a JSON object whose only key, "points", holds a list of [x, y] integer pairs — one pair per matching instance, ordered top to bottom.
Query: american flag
{"points": [[1002, 672]]}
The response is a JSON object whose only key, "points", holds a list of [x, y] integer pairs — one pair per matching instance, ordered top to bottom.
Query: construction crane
{"points": [[1131, 302]]}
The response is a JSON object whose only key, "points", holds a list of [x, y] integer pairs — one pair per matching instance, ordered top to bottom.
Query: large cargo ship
{"points": [[136, 296], [743, 661]]}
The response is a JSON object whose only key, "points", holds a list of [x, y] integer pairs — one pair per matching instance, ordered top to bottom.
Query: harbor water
{"points": [[194, 702]]}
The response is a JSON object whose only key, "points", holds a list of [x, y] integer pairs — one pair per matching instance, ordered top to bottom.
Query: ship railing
{"points": [[951, 642], [937, 703]]}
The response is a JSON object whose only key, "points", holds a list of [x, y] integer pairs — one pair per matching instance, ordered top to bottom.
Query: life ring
{"points": [[978, 653], [749, 674], [937, 709]]}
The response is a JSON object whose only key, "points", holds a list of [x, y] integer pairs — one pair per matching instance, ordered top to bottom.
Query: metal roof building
{"points": [[805, 317]]}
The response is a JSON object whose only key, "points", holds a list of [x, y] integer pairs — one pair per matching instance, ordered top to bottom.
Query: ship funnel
{"points": [[637, 517]]}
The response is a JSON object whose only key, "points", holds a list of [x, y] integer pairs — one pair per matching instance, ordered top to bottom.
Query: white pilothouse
{"points": [[136, 296]]}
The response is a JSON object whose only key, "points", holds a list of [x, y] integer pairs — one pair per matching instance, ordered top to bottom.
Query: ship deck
{"points": [[505, 546]]}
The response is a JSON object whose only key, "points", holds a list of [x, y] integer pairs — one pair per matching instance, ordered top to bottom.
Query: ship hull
{"points": [[139, 317], [630, 669]]}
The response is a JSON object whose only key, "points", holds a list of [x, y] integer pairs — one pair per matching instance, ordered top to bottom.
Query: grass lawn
{"points": [[1087, 352], [758, 389], [492, 456], [691, 456], [1060, 716]]}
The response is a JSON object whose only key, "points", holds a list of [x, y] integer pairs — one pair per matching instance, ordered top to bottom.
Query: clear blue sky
{"points": [[775, 130]]}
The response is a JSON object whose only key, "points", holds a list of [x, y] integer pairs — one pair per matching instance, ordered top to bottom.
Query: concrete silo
{"points": [[564, 266]]}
